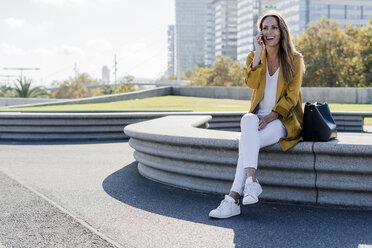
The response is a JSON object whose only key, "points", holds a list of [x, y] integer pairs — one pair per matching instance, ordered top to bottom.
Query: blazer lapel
{"points": [[280, 85], [261, 91]]}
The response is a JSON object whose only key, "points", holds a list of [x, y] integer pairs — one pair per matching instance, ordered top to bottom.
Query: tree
{"points": [[322, 45], [366, 55], [336, 57], [352, 65], [224, 72], [170, 77], [127, 84], [73, 88], [77, 88], [23, 89], [6, 91]]}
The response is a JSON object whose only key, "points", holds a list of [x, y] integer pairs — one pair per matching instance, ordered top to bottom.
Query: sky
{"points": [[54, 35]]}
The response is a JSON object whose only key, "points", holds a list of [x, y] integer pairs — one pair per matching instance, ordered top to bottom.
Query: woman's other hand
{"points": [[263, 121]]}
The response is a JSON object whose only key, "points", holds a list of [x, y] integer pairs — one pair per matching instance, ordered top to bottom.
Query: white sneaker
{"points": [[251, 191], [227, 208]]}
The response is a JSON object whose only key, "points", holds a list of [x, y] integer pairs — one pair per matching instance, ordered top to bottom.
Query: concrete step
{"points": [[70, 122], [28, 125], [61, 129], [62, 136]]}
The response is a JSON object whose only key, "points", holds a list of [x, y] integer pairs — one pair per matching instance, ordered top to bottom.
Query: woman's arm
{"points": [[253, 64], [252, 75], [290, 98]]}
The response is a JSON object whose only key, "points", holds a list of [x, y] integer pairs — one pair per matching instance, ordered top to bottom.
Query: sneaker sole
{"points": [[251, 202], [224, 217]]}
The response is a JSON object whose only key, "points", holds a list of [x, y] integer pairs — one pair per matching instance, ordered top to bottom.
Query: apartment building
{"points": [[298, 13], [189, 34], [171, 51]]}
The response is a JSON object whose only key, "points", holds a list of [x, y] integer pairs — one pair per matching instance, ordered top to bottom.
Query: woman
{"points": [[274, 72]]}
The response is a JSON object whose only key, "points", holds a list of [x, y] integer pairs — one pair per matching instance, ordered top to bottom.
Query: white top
{"points": [[267, 103]]}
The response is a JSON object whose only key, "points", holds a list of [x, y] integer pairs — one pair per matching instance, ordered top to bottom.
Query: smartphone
{"points": [[262, 39]]}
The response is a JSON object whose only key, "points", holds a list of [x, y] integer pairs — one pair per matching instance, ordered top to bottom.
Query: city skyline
{"points": [[231, 25], [54, 35]]}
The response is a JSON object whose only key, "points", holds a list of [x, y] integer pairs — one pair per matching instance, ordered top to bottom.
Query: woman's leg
{"points": [[249, 141], [249, 144]]}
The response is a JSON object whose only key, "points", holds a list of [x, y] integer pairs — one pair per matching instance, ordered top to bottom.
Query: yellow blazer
{"points": [[288, 96]]}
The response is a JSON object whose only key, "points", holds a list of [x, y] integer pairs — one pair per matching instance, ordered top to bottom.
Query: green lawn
{"points": [[197, 104]]}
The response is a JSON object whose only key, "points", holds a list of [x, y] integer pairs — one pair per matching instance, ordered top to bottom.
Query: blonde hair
{"points": [[287, 50]]}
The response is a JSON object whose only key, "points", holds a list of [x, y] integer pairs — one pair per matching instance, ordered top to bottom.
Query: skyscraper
{"points": [[249, 11], [299, 13], [226, 28], [246, 29], [210, 35], [190, 38], [171, 51]]}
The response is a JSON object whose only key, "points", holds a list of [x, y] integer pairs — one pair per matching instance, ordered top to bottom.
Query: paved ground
{"points": [[91, 195]]}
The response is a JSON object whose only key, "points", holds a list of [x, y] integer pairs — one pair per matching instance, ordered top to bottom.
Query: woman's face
{"points": [[270, 31]]}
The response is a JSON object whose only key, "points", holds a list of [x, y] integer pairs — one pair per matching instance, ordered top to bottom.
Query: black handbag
{"points": [[319, 124]]}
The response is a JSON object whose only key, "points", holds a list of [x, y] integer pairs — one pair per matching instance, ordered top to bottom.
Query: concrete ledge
{"points": [[160, 91], [237, 93], [310, 94], [5, 102], [175, 150], [344, 171]]}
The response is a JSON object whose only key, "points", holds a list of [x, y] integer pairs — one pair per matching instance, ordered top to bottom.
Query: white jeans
{"points": [[251, 140]]}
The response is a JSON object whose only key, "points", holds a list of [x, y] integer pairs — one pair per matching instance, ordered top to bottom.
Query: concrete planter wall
{"points": [[310, 94], [4, 102], [175, 150]]}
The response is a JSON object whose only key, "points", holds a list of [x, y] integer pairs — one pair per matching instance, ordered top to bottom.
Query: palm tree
{"points": [[23, 89]]}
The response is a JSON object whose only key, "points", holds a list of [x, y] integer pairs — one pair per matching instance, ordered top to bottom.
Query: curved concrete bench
{"points": [[179, 151]]}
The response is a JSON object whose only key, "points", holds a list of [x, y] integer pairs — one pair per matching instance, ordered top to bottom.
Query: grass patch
{"points": [[197, 104]]}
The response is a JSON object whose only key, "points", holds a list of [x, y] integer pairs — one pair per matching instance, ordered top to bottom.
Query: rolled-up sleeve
{"points": [[252, 75], [291, 96]]}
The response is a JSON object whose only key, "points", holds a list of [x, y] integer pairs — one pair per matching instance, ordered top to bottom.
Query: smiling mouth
{"points": [[269, 38]]}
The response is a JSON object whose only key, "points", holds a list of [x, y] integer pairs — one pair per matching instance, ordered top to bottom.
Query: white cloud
{"points": [[107, 1], [52, 2], [60, 2], [15, 23], [44, 26], [99, 44], [10, 49], [64, 50], [70, 50], [133, 50]]}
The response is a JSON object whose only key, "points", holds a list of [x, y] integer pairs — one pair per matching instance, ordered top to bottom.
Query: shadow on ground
{"points": [[262, 224]]}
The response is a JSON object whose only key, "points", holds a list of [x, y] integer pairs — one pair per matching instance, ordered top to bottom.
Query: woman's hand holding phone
{"points": [[258, 44]]}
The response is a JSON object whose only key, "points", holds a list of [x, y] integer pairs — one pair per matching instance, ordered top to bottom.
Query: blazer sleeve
{"points": [[252, 75], [292, 94]]}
